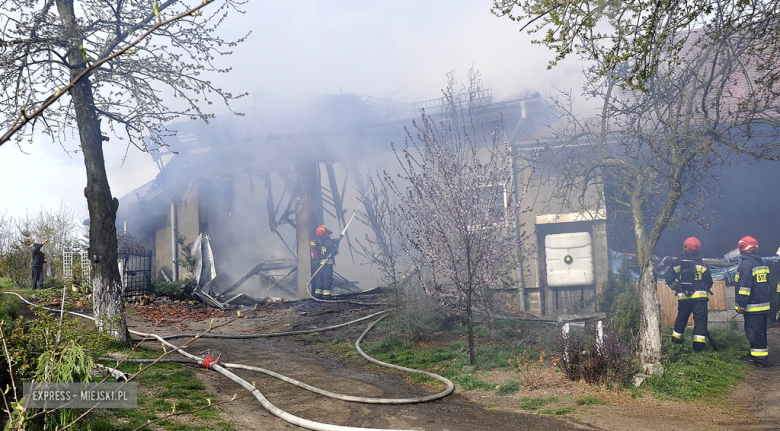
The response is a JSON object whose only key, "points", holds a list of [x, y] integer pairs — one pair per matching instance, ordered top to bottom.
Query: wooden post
{"points": [[308, 215]]}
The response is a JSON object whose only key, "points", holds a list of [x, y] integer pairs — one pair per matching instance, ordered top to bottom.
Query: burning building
{"points": [[257, 185]]}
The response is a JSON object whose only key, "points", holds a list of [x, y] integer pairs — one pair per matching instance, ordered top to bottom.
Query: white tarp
{"points": [[204, 270]]}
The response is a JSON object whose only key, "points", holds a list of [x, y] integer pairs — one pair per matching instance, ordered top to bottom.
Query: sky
{"points": [[399, 50]]}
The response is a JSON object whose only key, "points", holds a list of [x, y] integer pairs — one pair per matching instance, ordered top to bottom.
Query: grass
{"points": [[6, 284], [454, 355], [449, 360], [689, 375], [508, 387], [160, 388], [591, 400], [533, 404], [560, 411]]}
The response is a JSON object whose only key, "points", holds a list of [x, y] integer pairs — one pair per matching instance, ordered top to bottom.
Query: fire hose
{"points": [[221, 368]]}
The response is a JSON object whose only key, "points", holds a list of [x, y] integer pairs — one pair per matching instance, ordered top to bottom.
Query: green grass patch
{"points": [[6, 284], [453, 356], [689, 375], [421, 378], [469, 382], [508, 387], [160, 388], [591, 400], [533, 404], [560, 411]]}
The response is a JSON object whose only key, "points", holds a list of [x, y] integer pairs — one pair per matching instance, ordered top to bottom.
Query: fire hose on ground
{"points": [[215, 365]]}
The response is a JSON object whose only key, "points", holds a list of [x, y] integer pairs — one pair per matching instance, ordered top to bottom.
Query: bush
{"points": [[15, 264], [53, 283], [174, 289], [619, 299], [417, 315], [46, 349], [583, 359]]}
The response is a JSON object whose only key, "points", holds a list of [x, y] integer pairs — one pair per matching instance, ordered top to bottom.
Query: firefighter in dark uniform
{"points": [[329, 248], [314, 249], [689, 277], [752, 299]]}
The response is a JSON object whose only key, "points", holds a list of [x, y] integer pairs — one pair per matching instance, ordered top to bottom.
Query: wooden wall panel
{"points": [[668, 301]]}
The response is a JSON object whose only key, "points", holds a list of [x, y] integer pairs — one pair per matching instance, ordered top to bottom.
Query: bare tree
{"points": [[48, 45], [654, 150], [453, 206], [384, 246]]}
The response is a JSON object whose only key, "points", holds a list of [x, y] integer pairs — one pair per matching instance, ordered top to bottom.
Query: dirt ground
{"points": [[754, 405]]}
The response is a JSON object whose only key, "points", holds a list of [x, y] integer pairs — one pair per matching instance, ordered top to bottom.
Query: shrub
{"points": [[15, 264], [53, 283], [168, 288], [174, 289], [619, 299], [417, 315], [46, 349], [583, 359], [531, 370]]}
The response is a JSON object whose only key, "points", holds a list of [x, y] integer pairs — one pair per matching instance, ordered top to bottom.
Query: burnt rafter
{"points": [[337, 202]]}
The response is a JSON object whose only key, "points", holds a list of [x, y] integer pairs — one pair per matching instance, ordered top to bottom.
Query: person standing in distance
{"points": [[38, 259], [689, 277], [752, 299]]}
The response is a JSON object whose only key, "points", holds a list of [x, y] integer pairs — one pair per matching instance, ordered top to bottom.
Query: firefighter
{"points": [[329, 248], [314, 249], [689, 277], [752, 299]]}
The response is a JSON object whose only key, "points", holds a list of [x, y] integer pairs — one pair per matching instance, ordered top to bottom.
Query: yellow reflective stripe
{"points": [[677, 268], [761, 270], [761, 273], [736, 277], [778, 287], [744, 290], [764, 306], [676, 334], [698, 338], [759, 352]]}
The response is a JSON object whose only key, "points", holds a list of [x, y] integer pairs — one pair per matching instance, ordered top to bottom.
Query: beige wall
{"points": [[551, 212], [187, 223]]}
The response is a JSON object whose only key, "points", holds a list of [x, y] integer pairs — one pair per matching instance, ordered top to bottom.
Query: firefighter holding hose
{"points": [[328, 249], [689, 277]]}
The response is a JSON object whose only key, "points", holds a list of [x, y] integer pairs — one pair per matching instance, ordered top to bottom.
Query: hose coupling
{"points": [[209, 360]]}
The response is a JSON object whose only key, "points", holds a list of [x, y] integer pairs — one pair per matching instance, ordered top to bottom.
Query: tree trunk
{"points": [[107, 303], [470, 319], [650, 325]]}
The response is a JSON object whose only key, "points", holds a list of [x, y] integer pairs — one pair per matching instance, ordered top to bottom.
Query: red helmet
{"points": [[322, 231], [748, 243], [692, 245]]}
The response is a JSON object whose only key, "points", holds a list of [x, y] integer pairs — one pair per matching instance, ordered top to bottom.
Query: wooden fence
{"points": [[668, 300]]}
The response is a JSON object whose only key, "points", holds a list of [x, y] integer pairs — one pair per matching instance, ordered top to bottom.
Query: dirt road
{"points": [[754, 405]]}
